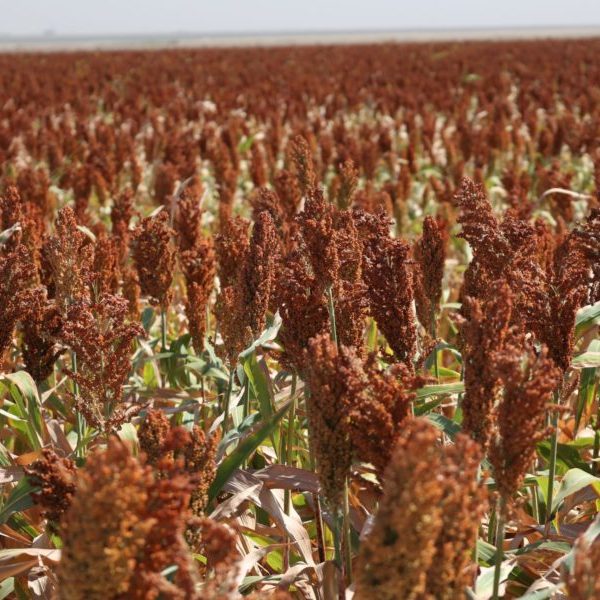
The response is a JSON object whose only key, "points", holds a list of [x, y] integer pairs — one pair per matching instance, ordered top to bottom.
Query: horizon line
{"points": [[155, 40]]}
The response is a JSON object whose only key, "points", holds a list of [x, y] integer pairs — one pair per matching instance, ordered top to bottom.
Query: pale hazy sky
{"points": [[25, 17]]}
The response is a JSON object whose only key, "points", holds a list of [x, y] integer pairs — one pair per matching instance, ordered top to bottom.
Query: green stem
{"points": [[331, 308], [163, 328], [207, 331], [433, 333], [246, 399], [227, 400], [79, 418], [290, 432], [289, 448], [290, 451], [596, 452], [312, 464], [552, 465], [535, 503], [500, 509], [319, 524], [492, 526], [346, 536], [343, 544], [476, 550]]}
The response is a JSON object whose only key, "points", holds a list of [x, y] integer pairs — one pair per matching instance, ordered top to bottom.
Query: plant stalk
{"points": [[331, 308], [163, 329], [433, 333], [227, 400], [79, 418], [596, 451], [289, 459], [552, 466], [313, 467], [500, 516], [319, 523], [346, 536], [476, 549]]}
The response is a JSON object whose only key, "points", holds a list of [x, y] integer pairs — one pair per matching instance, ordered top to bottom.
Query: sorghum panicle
{"points": [[303, 164], [120, 215], [188, 215], [316, 223], [482, 231], [70, 254], [154, 257], [430, 257], [199, 266], [106, 269], [258, 276], [389, 280], [349, 293], [21, 295], [303, 309], [483, 334], [40, 335], [101, 337], [333, 377], [529, 379], [377, 411], [160, 441], [54, 479], [463, 503], [122, 529], [421, 542], [397, 554]]}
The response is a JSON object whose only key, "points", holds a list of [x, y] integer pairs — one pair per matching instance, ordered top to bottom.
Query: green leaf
{"points": [[471, 77], [245, 144], [586, 317], [148, 318], [268, 335], [372, 336], [586, 359], [149, 375], [25, 383], [261, 385], [23, 387], [442, 388], [586, 393], [427, 407], [449, 427], [128, 433], [244, 450], [567, 456], [543, 481], [573, 481], [19, 499], [558, 547], [486, 551], [275, 561], [485, 581], [7, 587], [544, 594]]}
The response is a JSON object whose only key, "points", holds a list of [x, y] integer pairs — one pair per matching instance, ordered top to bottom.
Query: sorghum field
{"points": [[305, 322]]}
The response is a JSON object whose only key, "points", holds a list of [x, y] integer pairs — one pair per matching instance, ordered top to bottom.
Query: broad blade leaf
{"points": [[245, 450], [573, 481], [18, 500]]}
